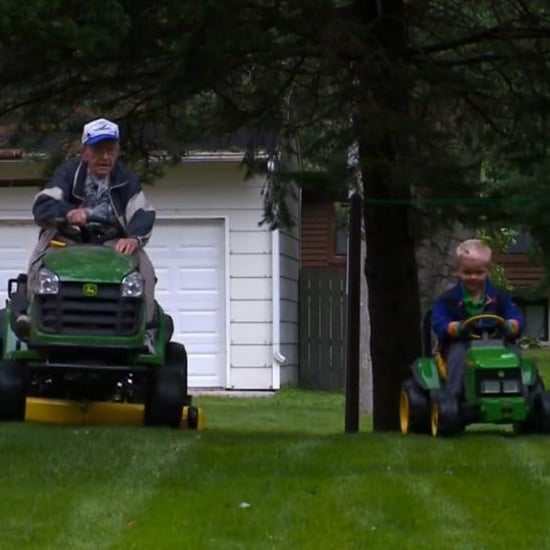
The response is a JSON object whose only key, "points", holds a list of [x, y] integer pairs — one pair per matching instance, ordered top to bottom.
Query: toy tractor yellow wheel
{"points": [[413, 408], [404, 412], [445, 415]]}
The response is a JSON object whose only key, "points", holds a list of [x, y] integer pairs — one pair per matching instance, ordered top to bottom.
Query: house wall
{"points": [[289, 258], [519, 269], [250, 283]]}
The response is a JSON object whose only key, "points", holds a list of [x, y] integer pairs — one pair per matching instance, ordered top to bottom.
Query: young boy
{"points": [[472, 295]]}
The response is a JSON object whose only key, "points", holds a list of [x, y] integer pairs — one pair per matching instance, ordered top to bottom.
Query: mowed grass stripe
{"points": [[84, 485], [246, 488]]}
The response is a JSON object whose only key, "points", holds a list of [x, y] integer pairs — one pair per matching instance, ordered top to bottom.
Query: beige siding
{"points": [[289, 275]]}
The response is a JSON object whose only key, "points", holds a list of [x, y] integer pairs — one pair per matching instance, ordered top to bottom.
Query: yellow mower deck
{"points": [[91, 413]]}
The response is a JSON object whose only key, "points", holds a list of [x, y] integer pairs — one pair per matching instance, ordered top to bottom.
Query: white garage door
{"points": [[17, 241], [188, 256]]}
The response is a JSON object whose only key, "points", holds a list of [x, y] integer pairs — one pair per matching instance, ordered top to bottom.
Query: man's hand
{"points": [[77, 216], [127, 246]]}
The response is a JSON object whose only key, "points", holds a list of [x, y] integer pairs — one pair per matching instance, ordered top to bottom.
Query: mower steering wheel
{"points": [[95, 231], [474, 323]]}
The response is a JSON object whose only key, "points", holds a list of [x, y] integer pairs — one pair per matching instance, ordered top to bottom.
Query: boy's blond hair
{"points": [[474, 249]]}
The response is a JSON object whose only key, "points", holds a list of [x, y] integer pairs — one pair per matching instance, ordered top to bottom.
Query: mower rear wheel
{"points": [[12, 391], [168, 391], [413, 408], [445, 417], [193, 420]]}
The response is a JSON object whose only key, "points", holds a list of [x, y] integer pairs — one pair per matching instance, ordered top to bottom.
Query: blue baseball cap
{"points": [[98, 130]]}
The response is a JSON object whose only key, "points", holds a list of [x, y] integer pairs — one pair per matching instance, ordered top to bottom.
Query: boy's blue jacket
{"points": [[450, 307]]}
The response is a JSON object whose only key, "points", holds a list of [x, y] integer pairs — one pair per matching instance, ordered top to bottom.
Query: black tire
{"points": [[12, 391], [168, 391], [414, 410], [541, 412], [445, 414], [193, 418]]}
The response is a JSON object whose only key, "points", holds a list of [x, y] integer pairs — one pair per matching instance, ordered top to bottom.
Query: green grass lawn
{"points": [[272, 473]]}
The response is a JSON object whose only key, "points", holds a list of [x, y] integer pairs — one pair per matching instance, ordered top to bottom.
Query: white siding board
{"points": [[17, 203], [245, 220], [250, 242], [290, 245], [250, 265], [290, 267], [250, 288], [289, 289], [252, 311], [289, 311], [251, 333], [289, 334], [290, 351], [251, 356], [289, 375], [252, 378]]}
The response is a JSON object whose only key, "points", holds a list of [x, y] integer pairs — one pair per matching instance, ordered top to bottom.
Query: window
{"points": [[536, 318]]}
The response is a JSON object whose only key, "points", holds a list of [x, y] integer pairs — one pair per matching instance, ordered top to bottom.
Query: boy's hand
{"points": [[511, 328], [457, 330]]}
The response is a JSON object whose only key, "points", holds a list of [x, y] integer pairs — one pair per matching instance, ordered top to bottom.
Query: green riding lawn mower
{"points": [[87, 355], [500, 387]]}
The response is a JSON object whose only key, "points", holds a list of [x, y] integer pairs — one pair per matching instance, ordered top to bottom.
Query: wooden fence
{"points": [[322, 329]]}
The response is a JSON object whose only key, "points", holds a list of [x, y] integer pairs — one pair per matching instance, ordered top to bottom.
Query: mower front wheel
{"points": [[168, 392]]}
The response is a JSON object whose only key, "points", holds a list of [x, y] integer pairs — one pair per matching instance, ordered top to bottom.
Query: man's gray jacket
{"points": [[65, 191]]}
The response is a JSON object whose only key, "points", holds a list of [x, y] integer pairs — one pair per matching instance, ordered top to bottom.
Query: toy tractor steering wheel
{"points": [[475, 324]]}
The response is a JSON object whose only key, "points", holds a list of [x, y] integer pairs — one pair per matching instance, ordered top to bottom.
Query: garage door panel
{"points": [[189, 263], [198, 279], [201, 301], [199, 322], [203, 345], [202, 374]]}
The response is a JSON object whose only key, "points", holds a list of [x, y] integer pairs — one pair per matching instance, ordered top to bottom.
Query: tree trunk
{"points": [[435, 256], [390, 265], [392, 280], [365, 376]]}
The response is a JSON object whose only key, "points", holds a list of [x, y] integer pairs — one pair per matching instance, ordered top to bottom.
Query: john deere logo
{"points": [[89, 289]]}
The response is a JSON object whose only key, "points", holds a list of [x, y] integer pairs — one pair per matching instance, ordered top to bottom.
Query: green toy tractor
{"points": [[88, 341], [500, 387]]}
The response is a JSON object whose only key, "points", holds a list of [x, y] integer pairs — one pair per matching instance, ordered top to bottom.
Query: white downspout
{"points": [[278, 357]]}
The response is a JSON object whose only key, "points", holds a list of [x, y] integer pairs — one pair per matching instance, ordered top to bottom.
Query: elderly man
{"points": [[97, 185]]}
